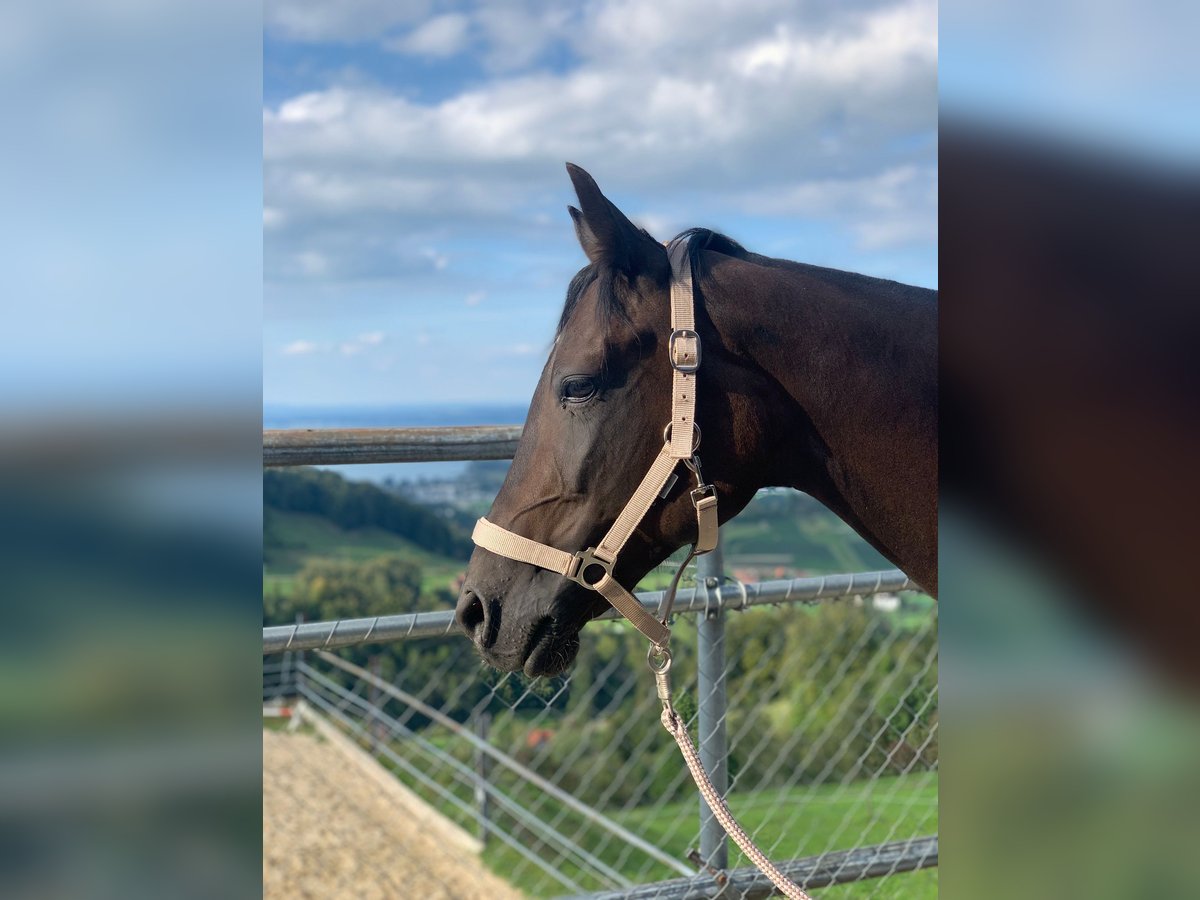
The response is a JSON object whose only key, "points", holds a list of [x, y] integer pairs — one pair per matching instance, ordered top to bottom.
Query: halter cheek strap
{"points": [[592, 568]]}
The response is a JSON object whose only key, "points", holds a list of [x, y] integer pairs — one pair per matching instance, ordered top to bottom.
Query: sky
{"points": [[416, 241]]}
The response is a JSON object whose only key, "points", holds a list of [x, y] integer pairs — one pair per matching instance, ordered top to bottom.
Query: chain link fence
{"points": [[813, 701], [571, 787]]}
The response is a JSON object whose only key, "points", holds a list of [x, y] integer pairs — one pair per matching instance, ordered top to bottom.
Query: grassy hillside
{"points": [[354, 505], [316, 515], [801, 533], [290, 539], [862, 813]]}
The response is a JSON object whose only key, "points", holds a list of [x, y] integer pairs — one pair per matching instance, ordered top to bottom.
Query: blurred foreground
{"points": [[1070, 222], [1070, 321], [129, 491]]}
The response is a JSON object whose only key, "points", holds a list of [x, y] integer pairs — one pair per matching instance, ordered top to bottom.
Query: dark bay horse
{"points": [[812, 378]]}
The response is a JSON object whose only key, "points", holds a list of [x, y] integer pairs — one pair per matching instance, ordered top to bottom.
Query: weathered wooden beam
{"points": [[346, 446]]}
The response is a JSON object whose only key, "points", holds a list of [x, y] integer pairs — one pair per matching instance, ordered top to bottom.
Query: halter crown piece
{"points": [[593, 568]]}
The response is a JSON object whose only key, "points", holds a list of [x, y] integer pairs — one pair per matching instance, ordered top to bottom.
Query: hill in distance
{"points": [[308, 513]]}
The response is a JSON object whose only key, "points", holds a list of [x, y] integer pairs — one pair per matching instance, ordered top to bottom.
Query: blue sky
{"points": [[416, 240]]}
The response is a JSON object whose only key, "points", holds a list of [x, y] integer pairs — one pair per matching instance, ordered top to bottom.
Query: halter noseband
{"points": [[593, 568]]}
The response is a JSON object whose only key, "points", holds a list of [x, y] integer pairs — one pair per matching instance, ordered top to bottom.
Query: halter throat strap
{"points": [[593, 568]]}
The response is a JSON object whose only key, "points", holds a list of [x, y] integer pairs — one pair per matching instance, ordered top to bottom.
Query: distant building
{"points": [[453, 493], [888, 602]]}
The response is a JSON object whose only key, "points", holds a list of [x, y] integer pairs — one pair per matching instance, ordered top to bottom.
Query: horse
{"points": [[1071, 377], [812, 378]]}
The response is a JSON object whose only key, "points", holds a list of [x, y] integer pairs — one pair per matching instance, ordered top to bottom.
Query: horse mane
{"points": [[701, 239], [610, 306]]}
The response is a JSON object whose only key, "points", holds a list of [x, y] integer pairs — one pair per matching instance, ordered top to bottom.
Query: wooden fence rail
{"points": [[345, 446]]}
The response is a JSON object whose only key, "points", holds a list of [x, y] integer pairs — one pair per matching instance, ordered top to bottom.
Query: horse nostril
{"points": [[471, 613]]}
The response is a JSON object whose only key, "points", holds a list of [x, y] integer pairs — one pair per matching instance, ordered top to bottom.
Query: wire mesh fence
{"points": [[813, 702], [571, 787]]}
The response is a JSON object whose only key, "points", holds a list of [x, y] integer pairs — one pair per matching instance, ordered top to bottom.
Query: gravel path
{"points": [[330, 832]]}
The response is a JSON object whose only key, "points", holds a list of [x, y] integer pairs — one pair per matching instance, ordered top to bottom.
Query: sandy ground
{"points": [[330, 832]]}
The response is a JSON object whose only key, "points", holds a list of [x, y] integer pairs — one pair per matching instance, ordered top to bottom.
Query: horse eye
{"points": [[578, 388]]}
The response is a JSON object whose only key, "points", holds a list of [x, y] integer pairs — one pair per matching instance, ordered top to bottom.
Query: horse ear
{"points": [[604, 233], [585, 236]]}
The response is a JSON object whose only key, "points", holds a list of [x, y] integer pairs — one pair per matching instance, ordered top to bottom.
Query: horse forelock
{"points": [[609, 304]]}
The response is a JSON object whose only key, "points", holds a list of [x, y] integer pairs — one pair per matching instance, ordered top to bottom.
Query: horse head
{"points": [[595, 425]]}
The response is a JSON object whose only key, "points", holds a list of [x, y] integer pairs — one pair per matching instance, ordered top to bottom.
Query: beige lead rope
{"points": [[593, 568], [660, 665], [720, 809]]}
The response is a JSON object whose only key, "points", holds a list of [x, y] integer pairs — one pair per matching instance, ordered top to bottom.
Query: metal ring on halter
{"points": [[695, 435], [584, 560], [659, 659]]}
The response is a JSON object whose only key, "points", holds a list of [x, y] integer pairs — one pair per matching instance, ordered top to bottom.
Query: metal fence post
{"points": [[295, 659], [284, 690], [483, 721], [714, 846]]}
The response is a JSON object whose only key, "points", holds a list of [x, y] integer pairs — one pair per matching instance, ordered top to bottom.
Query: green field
{"points": [[293, 538], [816, 543], [848, 816], [789, 823]]}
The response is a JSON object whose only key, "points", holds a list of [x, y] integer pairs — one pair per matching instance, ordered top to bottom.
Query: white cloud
{"points": [[339, 20], [518, 33], [440, 37], [878, 48], [706, 107], [670, 118], [829, 195], [427, 202], [894, 207], [659, 226], [896, 232], [438, 260], [311, 262], [366, 341], [299, 348]]}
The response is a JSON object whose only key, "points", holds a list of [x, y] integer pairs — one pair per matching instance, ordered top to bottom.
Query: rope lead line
{"points": [[659, 660], [720, 809]]}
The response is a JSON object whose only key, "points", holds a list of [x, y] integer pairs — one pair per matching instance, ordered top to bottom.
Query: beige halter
{"points": [[681, 438], [593, 568]]}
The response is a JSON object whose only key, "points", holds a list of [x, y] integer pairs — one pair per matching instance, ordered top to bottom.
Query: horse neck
{"points": [[857, 356]]}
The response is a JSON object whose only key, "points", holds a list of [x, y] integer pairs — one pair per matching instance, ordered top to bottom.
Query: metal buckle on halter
{"points": [[685, 368], [584, 560]]}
